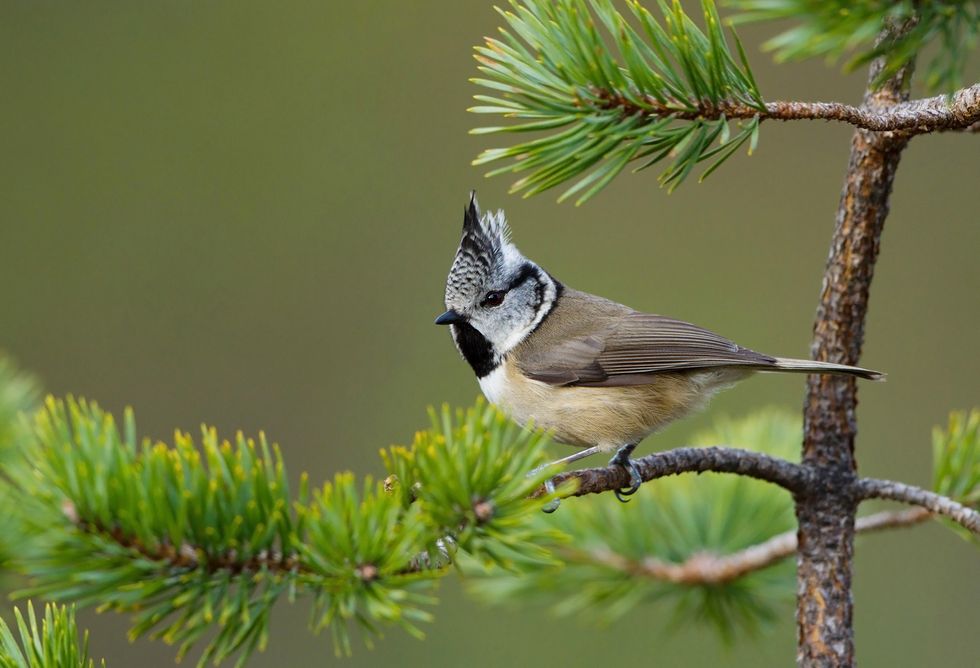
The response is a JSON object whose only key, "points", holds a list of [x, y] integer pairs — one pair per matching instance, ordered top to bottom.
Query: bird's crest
{"points": [[484, 251]]}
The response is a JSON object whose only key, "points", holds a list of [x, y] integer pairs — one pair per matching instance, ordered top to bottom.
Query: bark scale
{"points": [[826, 512]]}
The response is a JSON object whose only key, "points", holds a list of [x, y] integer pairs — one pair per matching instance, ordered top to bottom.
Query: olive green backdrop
{"points": [[242, 213]]}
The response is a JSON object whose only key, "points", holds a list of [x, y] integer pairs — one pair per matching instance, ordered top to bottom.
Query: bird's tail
{"points": [[811, 366]]}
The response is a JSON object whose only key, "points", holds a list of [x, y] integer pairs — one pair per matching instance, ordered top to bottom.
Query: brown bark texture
{"points": [[826, 512]]}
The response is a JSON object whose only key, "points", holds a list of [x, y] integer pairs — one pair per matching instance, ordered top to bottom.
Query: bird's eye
{"points": [[493, 298]]}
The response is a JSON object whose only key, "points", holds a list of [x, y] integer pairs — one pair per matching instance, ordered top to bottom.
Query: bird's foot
{"points": [[622, 458]]}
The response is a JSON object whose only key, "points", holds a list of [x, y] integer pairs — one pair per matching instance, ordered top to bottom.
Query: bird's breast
{"points": [[585, 416]]}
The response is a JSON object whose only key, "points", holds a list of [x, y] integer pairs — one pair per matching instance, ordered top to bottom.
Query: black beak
{"points": [[450, 317]]}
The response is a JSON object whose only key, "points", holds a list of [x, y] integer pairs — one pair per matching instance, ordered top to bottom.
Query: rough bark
{"points": [[826, 513]]}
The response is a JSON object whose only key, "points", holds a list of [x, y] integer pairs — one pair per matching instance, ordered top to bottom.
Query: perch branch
{"points": [[793, 477], [871, 488], [706, 568]]}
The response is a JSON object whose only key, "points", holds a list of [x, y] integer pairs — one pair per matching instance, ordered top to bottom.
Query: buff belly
{"points": [[608, 417]]}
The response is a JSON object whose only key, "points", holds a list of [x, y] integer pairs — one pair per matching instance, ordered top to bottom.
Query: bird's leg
{"points": [[622, 458], [549, 484]]}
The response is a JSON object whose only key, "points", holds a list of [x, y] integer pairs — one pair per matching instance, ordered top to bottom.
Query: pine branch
{"points": [[553, 68], [675, 92], [788, 475], [871, 488], [192, 538], [706, 568]]}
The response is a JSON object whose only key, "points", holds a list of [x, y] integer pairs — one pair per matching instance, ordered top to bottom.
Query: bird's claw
{"points": [[622, 458]]}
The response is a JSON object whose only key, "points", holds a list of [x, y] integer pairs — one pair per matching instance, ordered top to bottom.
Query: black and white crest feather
{"points": [[484, 251]]}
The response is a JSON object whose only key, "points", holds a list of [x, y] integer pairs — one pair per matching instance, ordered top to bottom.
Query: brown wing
{"points": [[632, 348]]}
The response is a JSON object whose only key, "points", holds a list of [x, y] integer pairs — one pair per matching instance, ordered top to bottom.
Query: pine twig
{"points": [[788, 475], [871, 488], [706, 568]]}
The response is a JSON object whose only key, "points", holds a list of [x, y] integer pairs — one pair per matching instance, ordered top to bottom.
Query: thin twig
{"points": [[959, 111], [793, 477], [871, 488], [706, 568]]}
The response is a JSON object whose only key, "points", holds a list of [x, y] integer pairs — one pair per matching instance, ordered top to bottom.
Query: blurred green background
{"points": [[243, 213]]}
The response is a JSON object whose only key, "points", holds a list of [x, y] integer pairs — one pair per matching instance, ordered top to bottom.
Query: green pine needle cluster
{"points": [[848, 29], [593, 112], [20, 395], [956, 462], [471, 475], [671, 520], [369, 532], [199, 540], [52, 643]]}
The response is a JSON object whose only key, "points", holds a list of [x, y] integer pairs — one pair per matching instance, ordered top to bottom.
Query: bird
{"points": [[595, 373]]}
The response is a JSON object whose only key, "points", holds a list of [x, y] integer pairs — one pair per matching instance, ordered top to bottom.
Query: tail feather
{"points": [[812, 366]]}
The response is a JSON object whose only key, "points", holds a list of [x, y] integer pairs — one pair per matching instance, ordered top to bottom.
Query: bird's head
{"points": [[492, 288]]}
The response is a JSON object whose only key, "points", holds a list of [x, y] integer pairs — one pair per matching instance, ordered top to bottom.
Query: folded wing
{"points": [[632, 349]]}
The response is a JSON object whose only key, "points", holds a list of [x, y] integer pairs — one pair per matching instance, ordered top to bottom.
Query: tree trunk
{"points": [[826, 513]]}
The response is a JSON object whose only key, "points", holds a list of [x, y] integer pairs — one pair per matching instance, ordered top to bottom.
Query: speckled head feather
{"points": [[485, 253]]}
